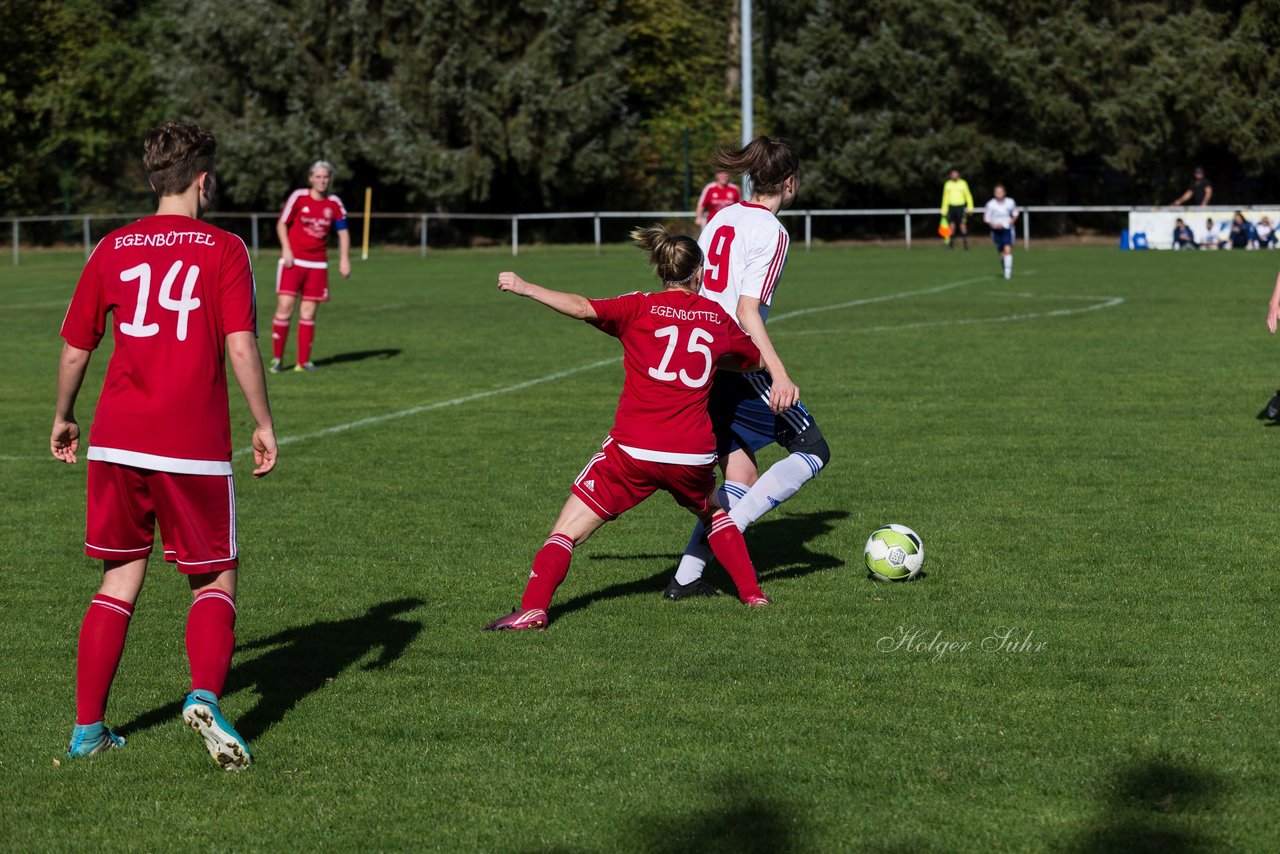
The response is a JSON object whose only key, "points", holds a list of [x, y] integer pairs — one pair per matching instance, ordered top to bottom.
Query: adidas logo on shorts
{"points": [[590, 485]]}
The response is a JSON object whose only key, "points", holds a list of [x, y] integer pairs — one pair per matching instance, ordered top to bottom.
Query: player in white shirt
{"points": [[1000, 215], [744, 249]]}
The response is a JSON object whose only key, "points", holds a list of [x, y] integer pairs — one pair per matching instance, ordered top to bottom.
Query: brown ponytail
{"points": [[768, 160], [675, 257]]}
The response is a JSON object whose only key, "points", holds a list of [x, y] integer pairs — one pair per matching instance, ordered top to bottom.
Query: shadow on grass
{"points": [[356, 356], [779, 549], [300, 661], [1142, 812], [741, 823]]}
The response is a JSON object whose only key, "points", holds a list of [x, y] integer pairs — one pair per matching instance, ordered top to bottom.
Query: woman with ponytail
{"points": [[672, 341]]}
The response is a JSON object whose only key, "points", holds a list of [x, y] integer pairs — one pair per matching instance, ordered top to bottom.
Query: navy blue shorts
{"points": [[1002, 237], [741, 416]]}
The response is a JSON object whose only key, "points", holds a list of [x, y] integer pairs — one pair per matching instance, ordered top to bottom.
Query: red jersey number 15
{"points": [[716, 276], [698, 339]]}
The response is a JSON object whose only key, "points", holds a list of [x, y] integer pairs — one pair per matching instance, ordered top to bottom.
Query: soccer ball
{"points": [[894, 553]]}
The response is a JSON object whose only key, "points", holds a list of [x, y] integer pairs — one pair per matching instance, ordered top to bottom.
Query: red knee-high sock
{"points": [[279, 335], [306, 335], [731, 550], [550, 566], [211, 637], [98, 655]]}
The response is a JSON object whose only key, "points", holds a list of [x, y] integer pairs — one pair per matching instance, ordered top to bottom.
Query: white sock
{"points": [[1008, 266], [775, 486], [698, 553]]}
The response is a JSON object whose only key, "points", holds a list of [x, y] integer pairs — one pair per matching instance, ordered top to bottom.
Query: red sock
{"points": [[306, 334], [279, 335], [731, 550], [550, 566], [211, 637], [98, 655]]}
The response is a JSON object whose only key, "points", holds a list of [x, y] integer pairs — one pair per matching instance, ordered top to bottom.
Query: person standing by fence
{"points": [[957, 204]]}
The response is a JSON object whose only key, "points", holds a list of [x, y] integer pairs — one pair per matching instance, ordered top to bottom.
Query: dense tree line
{"points": [[564, 104]]}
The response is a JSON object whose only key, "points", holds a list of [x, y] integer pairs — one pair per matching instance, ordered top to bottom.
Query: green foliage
{"points": [[1049, 97], [450, 102], [561, 104]]}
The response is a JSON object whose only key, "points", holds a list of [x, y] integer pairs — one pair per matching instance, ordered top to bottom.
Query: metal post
{"points": [[748, 92], [253, 219], [906, 220], [597, 225], [808, 230], [1026, 230], [424, 235], [515, 235], [86, 239], [15, 242]]}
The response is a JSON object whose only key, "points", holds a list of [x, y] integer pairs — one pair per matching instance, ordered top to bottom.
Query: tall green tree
{"points": [[456, 103]]}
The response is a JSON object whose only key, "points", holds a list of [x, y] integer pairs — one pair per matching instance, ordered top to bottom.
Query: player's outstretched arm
{"points": [[570, 305], [1273, 310], [246, 361], [784, 394], [64, 441]]}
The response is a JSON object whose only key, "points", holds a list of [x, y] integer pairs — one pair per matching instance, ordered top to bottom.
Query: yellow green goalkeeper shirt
{"points": [[957, 193]]}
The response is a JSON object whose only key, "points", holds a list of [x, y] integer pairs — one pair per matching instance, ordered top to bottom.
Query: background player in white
{"points": [[1000, 215], [745, 249]]}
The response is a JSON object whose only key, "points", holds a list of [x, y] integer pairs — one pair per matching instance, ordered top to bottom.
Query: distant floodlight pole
{"points": [[748, 95]]}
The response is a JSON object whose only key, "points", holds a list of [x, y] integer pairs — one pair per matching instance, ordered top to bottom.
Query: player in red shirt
{"points": [[716, 196], [303, 271], [182, 296], [672, 341]]}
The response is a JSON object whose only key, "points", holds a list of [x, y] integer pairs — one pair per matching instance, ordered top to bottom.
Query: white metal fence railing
{"points": [[421, 220]]}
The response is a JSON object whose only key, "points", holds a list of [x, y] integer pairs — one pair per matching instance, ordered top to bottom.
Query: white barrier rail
{"points": [[423, 219]]}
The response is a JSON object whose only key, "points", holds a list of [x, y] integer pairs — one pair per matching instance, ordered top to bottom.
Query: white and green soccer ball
{"points": [[894, 553]]}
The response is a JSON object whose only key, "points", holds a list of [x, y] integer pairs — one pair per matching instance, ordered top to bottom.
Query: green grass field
{"points": [[1077, 448]]}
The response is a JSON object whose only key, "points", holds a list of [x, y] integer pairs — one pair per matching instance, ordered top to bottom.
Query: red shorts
{"points": [[308, 279], [614, 482], [196, 512]]}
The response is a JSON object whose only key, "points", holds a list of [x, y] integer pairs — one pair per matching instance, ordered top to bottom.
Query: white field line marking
{"points": [[1103, 302], [787, 315], [458, 401], [440, 404]]}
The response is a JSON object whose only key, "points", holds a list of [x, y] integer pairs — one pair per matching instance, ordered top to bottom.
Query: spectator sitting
{"points": [[1241, 232], [1264, 234], [1183, 238], [1210, 239]]}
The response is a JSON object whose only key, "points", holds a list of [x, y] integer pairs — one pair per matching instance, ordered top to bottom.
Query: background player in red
{"points": [[717, 195], [303, 271], [182, 293], [672, 340]]}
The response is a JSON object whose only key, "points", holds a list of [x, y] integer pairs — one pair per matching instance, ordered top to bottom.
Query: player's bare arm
{"points": [[286, 249], [344, 253], [570, 305], [1273, 310], [246, 361], [784, 394], [64, 441]]}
